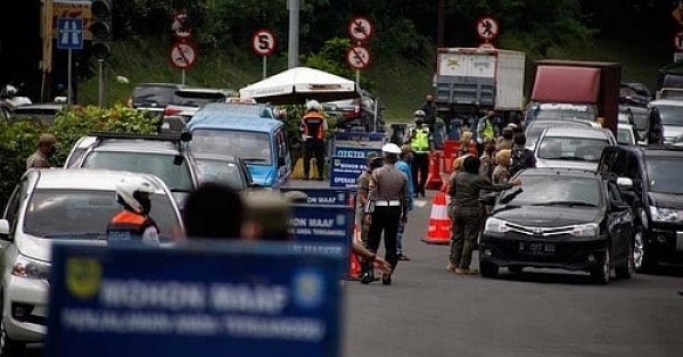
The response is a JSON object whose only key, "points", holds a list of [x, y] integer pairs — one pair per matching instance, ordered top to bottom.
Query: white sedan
{"points": [[58, 205]]}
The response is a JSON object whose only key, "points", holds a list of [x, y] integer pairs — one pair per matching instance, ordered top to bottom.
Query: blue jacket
{"points": [[405, 168]]}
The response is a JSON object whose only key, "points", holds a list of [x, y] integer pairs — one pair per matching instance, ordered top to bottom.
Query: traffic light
{"points": [[101, 27]]}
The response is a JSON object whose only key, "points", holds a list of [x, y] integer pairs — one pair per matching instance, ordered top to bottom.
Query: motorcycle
{"points": [[9, 98]]}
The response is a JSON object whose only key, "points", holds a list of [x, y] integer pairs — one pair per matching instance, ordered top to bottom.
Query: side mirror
{"points": [[185, 136], [178, 160], [281, 162], [625, 183], [4, 229]]}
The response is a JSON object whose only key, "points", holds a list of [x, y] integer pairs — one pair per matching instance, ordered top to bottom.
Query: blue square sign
{"points": [[69, 33]]}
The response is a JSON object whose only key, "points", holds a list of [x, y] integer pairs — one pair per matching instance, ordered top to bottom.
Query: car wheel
{"points": [[644, 260], [516, 269], [488, 270], [626, 271], [601, 273]]}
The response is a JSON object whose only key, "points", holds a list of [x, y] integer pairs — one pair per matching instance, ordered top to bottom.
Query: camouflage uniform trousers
{"points": [[466, 223]]}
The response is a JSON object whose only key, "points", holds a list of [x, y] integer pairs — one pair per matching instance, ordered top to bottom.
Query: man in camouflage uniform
{"points": [[363, 181]]}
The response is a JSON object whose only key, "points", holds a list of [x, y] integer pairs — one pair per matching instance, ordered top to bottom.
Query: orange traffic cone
{"points": [[434, 180], [439, 231], [354, 268]]}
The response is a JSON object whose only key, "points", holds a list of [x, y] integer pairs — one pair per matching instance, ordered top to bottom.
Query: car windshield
{"points": [[671, 94], [159, 96], [197, 99], [561, 111], [671, 114], [536, 129], [625, 136], [252, 147], [569, 148], [220, 171], [665, 174], [177, 177], [553, 190], [85, 214]]}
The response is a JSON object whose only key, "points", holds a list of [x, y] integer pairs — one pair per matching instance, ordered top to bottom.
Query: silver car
{"points": [[572, 148], [58, 205]]}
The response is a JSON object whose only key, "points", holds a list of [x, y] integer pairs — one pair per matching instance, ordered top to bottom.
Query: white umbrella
{"points": [[299, 84]]}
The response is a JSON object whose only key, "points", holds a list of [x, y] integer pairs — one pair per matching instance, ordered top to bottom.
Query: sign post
{"points": [[360, 30], [183, 33], [70, 37], [263, 43], [183, 56]]}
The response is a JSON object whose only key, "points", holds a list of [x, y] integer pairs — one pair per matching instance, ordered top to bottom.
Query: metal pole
{"points": [[440, 23], [293, 45], [265, 67], [182, 76], [357, 80], [69, 82], [100, 82], [376, 106]]}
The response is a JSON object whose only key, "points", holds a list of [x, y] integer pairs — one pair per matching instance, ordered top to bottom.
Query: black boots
{"points": [[367, 274]]}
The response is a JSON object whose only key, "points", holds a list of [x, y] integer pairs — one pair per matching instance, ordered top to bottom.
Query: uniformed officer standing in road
{"points": [[314, 129], [419, 139], [363, 181], [387, 209]]}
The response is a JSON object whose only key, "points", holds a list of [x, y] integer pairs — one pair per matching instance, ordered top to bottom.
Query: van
{"points": [[261, 142]]}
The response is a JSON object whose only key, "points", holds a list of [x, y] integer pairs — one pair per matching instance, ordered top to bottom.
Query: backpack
{"points": [[520, 160]]}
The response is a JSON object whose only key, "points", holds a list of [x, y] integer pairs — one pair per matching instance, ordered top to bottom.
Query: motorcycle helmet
{"points": [[313, 105], [134, 194]]}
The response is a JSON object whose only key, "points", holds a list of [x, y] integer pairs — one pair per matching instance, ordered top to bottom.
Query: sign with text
{"points": [[354, 153], [344, 171], [324, 196], [322, 224], [220, 299]]}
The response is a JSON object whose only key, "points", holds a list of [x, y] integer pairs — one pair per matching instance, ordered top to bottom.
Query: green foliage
{"points": [[331, 58], [18, 140]]}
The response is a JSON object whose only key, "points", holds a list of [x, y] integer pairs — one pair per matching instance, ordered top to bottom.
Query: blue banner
{"points": [[354, 153], [344, 172], [324, 196], [322, 224], [216, 300]]}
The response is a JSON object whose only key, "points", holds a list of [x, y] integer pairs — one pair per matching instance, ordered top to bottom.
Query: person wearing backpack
{"points": [[522, 158]]}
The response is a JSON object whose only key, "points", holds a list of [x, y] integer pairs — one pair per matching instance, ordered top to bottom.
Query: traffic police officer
{"points": [[314, 127], [418, 139], [387, 209], [134, 220]]}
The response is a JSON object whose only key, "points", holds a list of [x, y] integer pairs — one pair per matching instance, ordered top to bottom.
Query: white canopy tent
{"points": [[296, 85]]}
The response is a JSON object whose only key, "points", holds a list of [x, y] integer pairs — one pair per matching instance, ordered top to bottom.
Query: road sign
{"points": [[180, 27], [487, 28], [360, 29], [70, 33], [678, 41], [263, 42], [487, 46], [183, 55], [358, 57], [201, 299]]}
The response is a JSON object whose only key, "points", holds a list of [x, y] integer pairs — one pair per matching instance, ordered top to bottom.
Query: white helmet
{"points": [[313, 105], [419, 113], [391, 148], [131, 191]]}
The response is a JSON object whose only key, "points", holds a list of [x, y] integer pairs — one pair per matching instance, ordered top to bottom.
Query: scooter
{"points": [[9, 98]]}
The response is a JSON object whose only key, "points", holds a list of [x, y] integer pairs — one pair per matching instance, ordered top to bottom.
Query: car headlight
{"points": [[665, 214], [495, 225], [586, 230], [30, 269]]}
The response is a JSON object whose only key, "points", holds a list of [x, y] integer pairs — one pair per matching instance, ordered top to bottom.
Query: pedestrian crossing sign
{"points": [[70, 33]]}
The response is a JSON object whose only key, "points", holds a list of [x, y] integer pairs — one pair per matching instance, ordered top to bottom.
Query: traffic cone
{"points": [[434, 180], [439, 231], [354, 267]]}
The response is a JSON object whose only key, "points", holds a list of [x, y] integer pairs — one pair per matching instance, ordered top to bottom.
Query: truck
{"points": [[470, 80], [575, 90]]}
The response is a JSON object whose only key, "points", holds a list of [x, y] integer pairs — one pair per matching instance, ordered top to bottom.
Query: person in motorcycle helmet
{"points": [[314, 126], [133, 221]]}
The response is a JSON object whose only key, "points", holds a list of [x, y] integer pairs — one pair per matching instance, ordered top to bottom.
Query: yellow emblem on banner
{"points": [[83, 277]]}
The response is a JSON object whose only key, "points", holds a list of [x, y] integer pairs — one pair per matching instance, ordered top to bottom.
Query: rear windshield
{"points": [[159, 96], [196, 99], [671, 114], [254, 148], [177, 177], [83, 214]]}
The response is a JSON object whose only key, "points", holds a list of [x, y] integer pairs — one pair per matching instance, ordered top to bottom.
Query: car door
{"points": [[11, 214], [620, 223]]}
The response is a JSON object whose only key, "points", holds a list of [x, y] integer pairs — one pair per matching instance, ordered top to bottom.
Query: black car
{"points": [[634, 94], [153, 97], [655, 192], [560, 218]]}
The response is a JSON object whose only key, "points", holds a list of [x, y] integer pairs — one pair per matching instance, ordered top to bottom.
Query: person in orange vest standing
{"points": [[314, 126], [133, 221]]}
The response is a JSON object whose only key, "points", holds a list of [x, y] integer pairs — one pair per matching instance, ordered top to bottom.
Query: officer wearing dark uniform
{"points": [[314, 127], [374, 162], [387, 209], [134, 222]]}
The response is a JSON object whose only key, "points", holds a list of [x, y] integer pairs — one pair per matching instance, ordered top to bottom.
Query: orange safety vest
{"points": [[314, 125], [127, 222]]}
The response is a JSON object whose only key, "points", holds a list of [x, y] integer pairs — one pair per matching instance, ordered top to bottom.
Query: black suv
{"points": [[651, 180], [560, 218]]}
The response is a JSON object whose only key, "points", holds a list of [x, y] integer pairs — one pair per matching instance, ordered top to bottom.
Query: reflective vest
{"points": [[314, 126], [488, 130], [420, 141], [131, 224]]}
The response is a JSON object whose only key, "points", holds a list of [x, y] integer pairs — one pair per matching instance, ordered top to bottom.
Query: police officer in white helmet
{"points": [[314, 129], [387, 209]]}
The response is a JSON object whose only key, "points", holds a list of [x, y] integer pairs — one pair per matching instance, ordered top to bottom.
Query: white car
{"points": [[626, 134], [572, 147], [58, 205]]}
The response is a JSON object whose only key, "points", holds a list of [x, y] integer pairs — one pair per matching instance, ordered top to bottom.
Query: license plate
{"points": [[536, 248]]}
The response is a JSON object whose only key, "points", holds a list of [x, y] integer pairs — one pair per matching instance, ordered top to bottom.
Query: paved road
{"points": [[430, 312]]}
